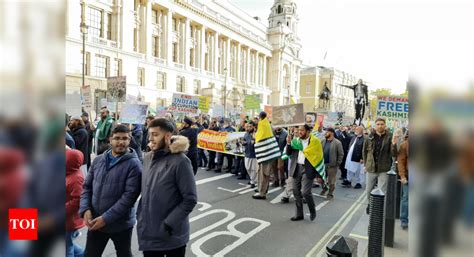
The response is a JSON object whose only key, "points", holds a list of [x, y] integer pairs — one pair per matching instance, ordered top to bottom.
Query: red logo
{"points": [[23, 224]]}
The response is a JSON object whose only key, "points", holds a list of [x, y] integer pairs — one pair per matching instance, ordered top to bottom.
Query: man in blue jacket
{"points": [[110, 191], [168, 193]]}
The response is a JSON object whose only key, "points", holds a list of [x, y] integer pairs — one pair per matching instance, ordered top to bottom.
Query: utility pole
{"points": [[84, 28]]}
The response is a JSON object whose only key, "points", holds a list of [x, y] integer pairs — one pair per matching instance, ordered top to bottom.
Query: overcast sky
{"points": [[383, 41]]}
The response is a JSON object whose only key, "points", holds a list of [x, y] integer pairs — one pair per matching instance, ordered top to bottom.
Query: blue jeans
{"points": [[404, 204], [72, 249]]}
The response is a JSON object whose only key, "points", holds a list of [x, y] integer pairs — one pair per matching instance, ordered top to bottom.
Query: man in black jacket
{"points": [[90, 130], [191, 133], [81, 138], [345, 139], [212, 154], [354, 163], [279, 165]]}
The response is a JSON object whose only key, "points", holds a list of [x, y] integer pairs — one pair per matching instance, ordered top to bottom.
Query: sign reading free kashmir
{"points": [[182, 103], [392, 107]]}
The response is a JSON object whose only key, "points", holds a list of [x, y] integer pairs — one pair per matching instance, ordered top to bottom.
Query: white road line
{"points": [[207, 180], [233, 191], [246, 191], [318, 195], [278, 198], [319, 207], [348, 213]]}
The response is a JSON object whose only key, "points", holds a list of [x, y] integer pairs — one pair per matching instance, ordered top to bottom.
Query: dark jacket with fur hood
{"points": [[168, 197]]}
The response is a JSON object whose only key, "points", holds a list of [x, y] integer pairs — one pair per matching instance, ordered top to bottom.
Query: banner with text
{"points": [[252, 102], [186, 104], [204, 104], [392, 107], [222, 142]]}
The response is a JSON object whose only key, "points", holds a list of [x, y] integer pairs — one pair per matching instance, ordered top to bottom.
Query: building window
{"points": [[279, 9], [154, 17], [94, 21], [175, 25], [108, 26], [135, 39], [155, 44], [175, 52], [191, 57], [101, 66], [87, 68], [252, 68], [117, 70], [141, 76], [161, 80], [180, 84], [197, 86], [308, 88], [161, 102]]}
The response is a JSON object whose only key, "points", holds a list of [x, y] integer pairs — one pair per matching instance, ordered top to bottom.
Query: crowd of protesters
{"points": [[116, 164]]}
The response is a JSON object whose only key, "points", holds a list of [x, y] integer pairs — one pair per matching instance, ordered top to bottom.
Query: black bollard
{"points": [[390, 208], [376, 223], [340, 246]]}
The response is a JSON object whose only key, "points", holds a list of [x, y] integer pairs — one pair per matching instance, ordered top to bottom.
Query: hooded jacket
{"points": [[81, 140], [74, 182], [112, 192], [168, 197]]}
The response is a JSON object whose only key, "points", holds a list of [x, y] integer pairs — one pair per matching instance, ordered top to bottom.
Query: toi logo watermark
{"points": [[23, 224]]}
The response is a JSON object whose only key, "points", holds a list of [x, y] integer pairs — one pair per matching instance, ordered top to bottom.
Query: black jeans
{"points": [[202, 159], [212, 159], [230, 160], [97, 241], [178, 252]]}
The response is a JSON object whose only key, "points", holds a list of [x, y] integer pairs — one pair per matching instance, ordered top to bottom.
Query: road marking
{"points": [[207, 180], [234, 191], [246, 191], [320, 196], [278, 198], [319, 207], [337, 225], [359, 236]]}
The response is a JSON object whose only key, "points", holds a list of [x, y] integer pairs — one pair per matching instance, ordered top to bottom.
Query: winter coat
{"points": [[137, 134], [191, 134], [69, 140], [81, 140], [359, 145], [336, 153], [385, 155], [402, 159], [74, 182], [112, 193], [168, 197]]}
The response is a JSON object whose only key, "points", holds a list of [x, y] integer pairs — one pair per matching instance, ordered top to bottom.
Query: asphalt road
{"points": [[228, 222]]}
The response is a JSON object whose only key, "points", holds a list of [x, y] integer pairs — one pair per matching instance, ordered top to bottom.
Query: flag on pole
{"points": [[266, 146]]}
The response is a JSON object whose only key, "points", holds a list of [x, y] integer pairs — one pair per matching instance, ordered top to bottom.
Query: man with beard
{"points": [[105, 127], [90, 131], [191, 133], [81, 139], [345, 140], [333, 154], [250, 157], [354, 163], [279, 164], [110, 191], [168, 193]]}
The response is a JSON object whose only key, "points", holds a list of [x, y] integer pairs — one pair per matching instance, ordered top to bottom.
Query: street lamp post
{"points": [[84, 28], [225, 91]]}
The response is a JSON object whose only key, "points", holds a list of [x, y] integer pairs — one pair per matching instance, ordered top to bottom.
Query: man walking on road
{"points": [[191, 134], [333, 155], [377, 155], [250, 157], [306, 160], [354, 163], [110, 191], [168, 194]]}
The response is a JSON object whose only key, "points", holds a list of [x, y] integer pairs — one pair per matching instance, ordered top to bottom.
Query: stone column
{"points": [[149, 31], [169, 37], [202, 49]]}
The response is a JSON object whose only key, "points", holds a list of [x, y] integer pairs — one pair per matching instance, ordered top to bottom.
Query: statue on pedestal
{"points": [[361, 100]]}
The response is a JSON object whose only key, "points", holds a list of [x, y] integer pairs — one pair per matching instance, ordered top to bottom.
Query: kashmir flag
{"points": [[266, 146], [313, 153]]}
